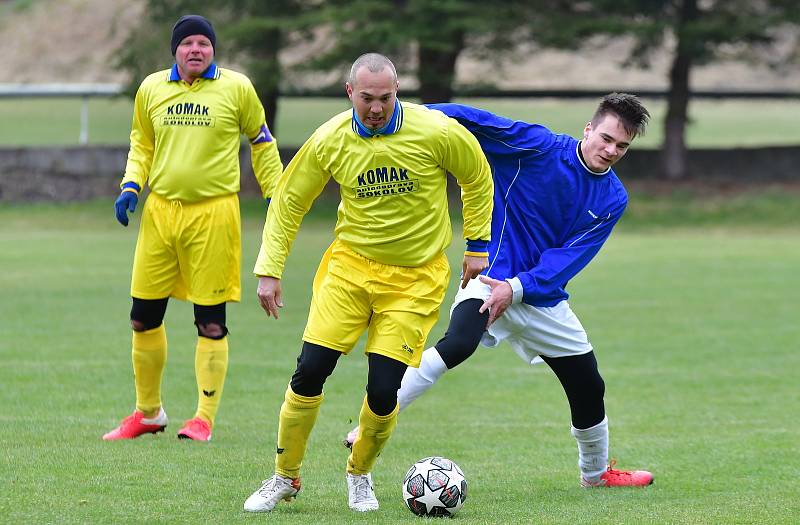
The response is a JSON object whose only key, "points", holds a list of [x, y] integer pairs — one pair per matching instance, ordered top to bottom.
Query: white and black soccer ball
{"points": [[434, 486]]}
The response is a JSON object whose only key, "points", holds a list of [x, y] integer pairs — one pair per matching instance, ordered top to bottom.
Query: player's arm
{"points": [[498, 135], [143, 139], [264, 154], [140, 159], [467, 163], [295, 192], [558, 265]]}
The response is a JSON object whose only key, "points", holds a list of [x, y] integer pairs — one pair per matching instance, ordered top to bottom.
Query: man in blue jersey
{"points": [[556, 201]]}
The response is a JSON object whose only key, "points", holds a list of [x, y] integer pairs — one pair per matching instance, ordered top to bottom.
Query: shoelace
{"points": [[614, 472], [268, 487], [362, 488]]}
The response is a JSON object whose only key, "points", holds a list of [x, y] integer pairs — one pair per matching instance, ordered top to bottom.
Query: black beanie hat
{"points": [[192, 25]]}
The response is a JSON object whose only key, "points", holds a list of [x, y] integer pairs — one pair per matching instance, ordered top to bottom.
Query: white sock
{"points": [[417, 381], [592, 450]]}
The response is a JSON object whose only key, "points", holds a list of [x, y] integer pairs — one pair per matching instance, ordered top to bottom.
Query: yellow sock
{"points": [[149, 356], [210, 367], [298, 415], [374, 433]]}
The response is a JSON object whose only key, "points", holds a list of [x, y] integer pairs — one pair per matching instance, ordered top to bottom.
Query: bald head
{"points": [[375, 63]]}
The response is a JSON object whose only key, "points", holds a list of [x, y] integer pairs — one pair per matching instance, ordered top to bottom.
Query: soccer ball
{"points": [[434, 486]]}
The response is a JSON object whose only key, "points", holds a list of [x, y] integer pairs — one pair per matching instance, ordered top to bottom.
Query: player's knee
{"points": [[147, 314], [210, 321], [138, 326], [467, 326], [211, 330], [455, 348], [314, 364], [310, 375], [597, 387], [382, 398]]}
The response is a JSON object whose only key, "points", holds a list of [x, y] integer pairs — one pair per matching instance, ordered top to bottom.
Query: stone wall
{"points": [[80, 173]]}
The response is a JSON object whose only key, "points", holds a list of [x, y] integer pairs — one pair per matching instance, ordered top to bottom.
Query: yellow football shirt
{"points": [[185, 138], [393, 189]]}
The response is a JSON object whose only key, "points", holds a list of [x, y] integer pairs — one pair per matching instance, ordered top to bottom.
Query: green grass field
{"points": [[715, 124], [695, 330]]}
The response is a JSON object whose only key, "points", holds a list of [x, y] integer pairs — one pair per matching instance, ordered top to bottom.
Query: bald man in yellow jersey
{"points": [[185, 139], [386, 271]]}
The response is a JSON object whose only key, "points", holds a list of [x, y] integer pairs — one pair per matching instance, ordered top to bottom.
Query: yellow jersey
{"points": [[185, 138], [393, 189]]}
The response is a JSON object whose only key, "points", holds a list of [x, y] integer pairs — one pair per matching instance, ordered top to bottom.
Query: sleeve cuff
{"points": [[131, 187], [477, 247], [516, 287]]}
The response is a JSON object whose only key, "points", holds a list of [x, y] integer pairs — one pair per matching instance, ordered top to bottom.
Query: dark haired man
{"points": [[185, 139], [556, 201]]}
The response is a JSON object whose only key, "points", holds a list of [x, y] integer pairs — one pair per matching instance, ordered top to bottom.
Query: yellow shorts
{"points": [[189, 251], [398, 304]]}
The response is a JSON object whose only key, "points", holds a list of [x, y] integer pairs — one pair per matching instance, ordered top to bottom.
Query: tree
{"points": [[700, 31], [430, 34]]}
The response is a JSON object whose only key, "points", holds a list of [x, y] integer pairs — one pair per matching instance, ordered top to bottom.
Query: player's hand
{"points": [[126, 202], [472, 267], [269, 295], [498, 301]]}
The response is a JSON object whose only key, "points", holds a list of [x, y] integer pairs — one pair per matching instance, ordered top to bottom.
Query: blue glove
{"points": [[126, 202]]}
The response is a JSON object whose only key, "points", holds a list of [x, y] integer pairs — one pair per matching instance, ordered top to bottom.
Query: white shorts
{"points": [[551, 331]]}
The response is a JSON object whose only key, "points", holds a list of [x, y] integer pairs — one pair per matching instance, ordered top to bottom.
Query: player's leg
{"points": [[208, 249], [154, 275], [406, 304], [339, 313], [467, 326], [557, 336], [462, 337], [149, 356], [210, 366], [584, 387], [301, 406], [378, 415], [297, 417], [377, 420]]}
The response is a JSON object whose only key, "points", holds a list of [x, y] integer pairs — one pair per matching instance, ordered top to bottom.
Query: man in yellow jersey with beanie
{"points": [[185, 139], [385, 273]]}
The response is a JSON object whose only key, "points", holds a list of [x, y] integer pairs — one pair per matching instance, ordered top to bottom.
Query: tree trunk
{"points": [[437, 67], [266, 75], [673, 152]]}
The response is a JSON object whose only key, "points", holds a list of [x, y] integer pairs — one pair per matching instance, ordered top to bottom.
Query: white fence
{"points": [[84, 91]]}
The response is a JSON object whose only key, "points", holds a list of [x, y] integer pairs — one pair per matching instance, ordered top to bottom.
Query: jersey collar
{"points": [[212, 73], [393, 126], [579, 156]]}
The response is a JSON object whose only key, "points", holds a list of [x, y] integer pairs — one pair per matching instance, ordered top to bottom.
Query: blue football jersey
{"points": [[551, 213]]}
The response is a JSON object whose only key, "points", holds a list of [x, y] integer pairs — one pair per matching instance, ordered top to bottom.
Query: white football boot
{"points": [[272, 491], [360, 496]]}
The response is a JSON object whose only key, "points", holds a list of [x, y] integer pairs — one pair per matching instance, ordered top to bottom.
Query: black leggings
{"points": [[150, 312], [463, 334], [315, 363], [578, 375]]}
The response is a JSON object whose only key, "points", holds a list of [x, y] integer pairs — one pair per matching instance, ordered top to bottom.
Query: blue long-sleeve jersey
{"points": [[551, 213]]}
